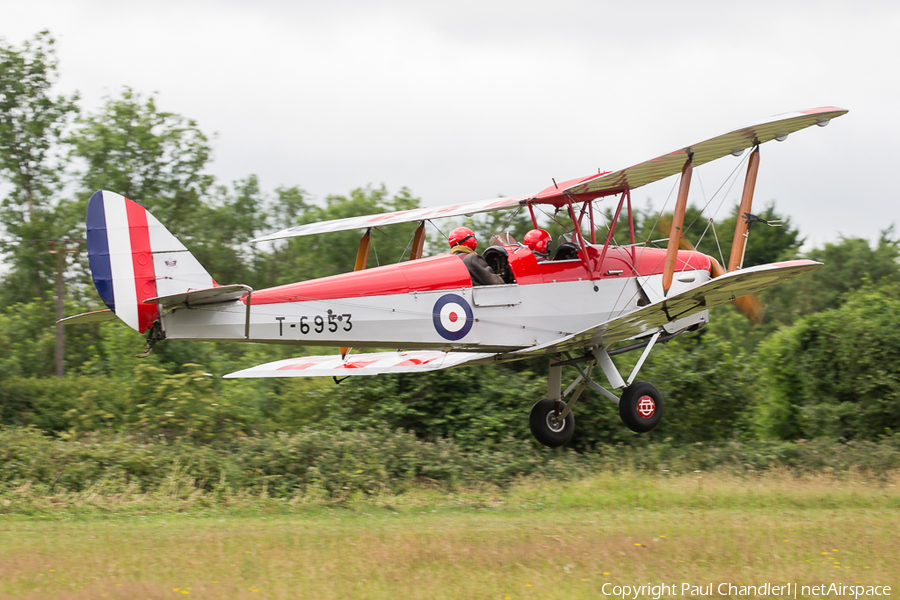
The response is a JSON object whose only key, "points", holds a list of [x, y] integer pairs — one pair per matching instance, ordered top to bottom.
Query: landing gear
{"points": [[641, 407], [548, 425]]}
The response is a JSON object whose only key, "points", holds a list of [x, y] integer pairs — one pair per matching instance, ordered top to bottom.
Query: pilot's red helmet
{"points": [[463, 236], [537, 240]]}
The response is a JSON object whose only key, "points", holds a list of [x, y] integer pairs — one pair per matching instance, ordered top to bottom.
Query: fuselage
{"points": [[431, 303]]}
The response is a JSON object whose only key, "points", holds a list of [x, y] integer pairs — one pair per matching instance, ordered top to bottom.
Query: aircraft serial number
{"points": [[319, 323]]}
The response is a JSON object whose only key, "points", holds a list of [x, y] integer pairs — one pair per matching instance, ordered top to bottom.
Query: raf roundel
{"points": [[452, 317]]}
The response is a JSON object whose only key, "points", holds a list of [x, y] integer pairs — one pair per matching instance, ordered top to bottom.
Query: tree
{"points": [[33, 122], [154, 157], [231, 218], [333, 253], [850, 265]]}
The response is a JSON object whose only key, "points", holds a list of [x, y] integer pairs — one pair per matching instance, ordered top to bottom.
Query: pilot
{"points": [[538, 241], [462, 243]]}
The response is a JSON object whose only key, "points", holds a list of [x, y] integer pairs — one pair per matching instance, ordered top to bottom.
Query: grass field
{"points": [[540, 539]]}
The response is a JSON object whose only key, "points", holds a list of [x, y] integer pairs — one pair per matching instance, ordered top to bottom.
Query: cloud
{"points": [[466, 100]]}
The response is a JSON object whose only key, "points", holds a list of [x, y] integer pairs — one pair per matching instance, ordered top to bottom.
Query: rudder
{"points": [[133, 257]]}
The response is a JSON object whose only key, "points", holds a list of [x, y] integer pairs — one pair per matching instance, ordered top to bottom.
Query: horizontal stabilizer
{"points": [[222, 293], [96, 316], [646, 320], [369, 363]]}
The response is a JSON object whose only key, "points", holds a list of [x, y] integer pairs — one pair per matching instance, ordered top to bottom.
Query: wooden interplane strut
{"points": [[677, 224], [742, 229], [418, 244], [362, 255], [362, 259]]}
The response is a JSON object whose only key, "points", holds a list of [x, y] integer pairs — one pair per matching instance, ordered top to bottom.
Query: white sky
{"points": [[472, 99]]}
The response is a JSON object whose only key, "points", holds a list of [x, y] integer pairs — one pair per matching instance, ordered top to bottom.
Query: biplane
{"points": [[588, 302]]}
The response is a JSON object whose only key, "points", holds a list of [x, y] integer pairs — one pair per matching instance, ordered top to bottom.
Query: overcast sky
{"points": [[466, 100]]}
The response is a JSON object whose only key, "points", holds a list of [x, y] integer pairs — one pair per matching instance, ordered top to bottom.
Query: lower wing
{"points": [[645, 321], [641, 322], [369, 363]]}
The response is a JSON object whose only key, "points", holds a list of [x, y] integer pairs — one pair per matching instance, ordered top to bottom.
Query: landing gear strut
{"points": [[640, 407]]}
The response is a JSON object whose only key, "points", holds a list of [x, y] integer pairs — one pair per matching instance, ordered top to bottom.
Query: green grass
{"points": [[540, 539]]}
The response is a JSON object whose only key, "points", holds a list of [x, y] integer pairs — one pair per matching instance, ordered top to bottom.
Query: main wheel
{"points": [[641, 407], [546, 427]]}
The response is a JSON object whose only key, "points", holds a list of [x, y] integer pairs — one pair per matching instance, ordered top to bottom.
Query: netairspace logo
{"points": [[785, 590]]}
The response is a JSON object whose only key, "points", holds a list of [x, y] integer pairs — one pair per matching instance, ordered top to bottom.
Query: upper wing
{"points": [[732, 142], [593, 186], [391, 218], [645, 320], [370, 363]]}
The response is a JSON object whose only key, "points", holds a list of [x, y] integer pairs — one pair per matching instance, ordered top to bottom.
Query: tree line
{"points": [[825, 362]]}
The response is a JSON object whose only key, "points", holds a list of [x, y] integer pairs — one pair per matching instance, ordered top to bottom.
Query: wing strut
{"points": [[677, 224], [612, 228], [742, 229], [631, 233], [418, 244], [362, 255], [585, 258], [362, 259]]}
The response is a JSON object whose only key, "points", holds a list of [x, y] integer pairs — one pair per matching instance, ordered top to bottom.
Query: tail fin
{"points": [[133, 258]]}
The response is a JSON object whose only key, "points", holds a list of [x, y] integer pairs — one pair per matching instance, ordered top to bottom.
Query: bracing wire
{"points": [[731, 177], [661, 211], [549, 216], [510, 220], [711, 223], [438, 229], [718, 245], [405, 248]]}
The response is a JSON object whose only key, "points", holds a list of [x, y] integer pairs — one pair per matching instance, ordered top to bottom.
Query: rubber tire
{"points": [[628, 407], [540, 428]]}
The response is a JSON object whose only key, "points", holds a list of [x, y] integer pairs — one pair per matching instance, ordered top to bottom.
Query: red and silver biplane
{"points": [[587, 303]]}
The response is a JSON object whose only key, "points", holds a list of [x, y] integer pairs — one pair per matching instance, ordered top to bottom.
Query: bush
{"points": [[27, 339], [837, 373], [708, 387], [53, 404], [183, 405], [477, 406], [339, 465]]}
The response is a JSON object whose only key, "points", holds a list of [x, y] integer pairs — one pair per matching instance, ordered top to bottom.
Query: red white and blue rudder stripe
{"points": [[133, 258]]}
